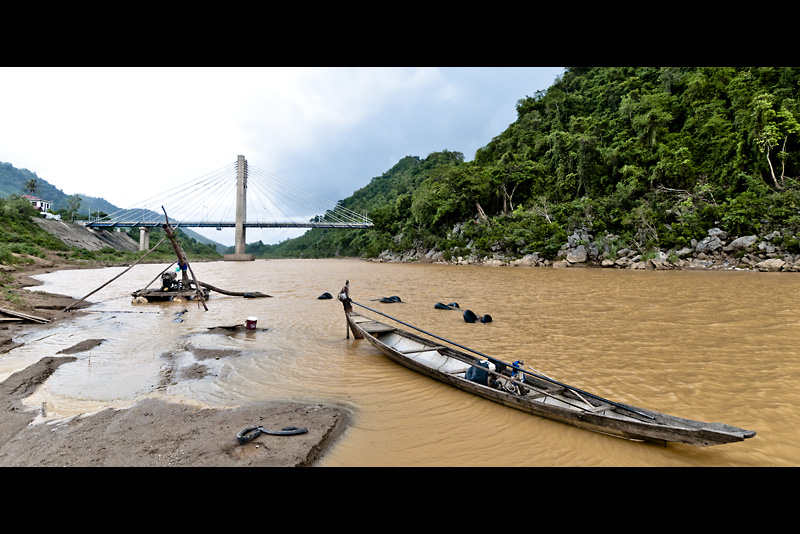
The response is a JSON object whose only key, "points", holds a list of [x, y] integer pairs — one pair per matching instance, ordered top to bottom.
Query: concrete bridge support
{"points": [[241, 213], [144, 239]]}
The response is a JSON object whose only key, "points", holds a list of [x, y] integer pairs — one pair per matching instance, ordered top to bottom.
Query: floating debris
{"points": [[19, 316], [470, 317], [234, 329]]}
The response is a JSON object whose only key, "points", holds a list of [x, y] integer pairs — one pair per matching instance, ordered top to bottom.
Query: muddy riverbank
{"points": [[151, 433]]}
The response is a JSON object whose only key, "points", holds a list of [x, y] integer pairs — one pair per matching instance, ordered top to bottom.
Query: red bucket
{"points": [[250, 323]]}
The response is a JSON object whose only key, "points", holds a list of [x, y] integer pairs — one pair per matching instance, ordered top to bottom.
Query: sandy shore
{"points": [[152, 433]]}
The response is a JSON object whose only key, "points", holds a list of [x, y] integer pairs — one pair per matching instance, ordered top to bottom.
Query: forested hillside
{"points": [[653, 156]]}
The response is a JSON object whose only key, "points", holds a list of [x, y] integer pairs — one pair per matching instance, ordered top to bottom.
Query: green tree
{"points": [[773, 127], [31, 186], [450, 195], [73, 205]]}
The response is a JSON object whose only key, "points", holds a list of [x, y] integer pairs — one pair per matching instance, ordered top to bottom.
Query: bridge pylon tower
{"points": [[241, 214]]}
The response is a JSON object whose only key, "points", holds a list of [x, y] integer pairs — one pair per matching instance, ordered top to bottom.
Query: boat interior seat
{"points": [[374, 327]]}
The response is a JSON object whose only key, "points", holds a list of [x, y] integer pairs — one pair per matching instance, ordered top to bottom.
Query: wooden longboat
{"points": [[534, 393]]}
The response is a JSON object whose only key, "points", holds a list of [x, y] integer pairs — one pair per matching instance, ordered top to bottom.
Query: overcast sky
{"points": [[127, 133]]}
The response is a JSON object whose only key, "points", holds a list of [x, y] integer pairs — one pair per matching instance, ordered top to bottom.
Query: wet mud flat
{"points": [[152, 432], [156, 433]]}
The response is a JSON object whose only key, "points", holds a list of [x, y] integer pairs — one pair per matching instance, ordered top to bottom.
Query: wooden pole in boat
{"points": [[182, 261], [344, 297]]}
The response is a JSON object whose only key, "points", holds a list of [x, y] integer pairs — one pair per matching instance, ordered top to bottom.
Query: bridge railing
{"points": [[208, 224]]}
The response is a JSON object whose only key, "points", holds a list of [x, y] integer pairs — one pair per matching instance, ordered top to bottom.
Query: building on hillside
{"points": [[38, 203]]}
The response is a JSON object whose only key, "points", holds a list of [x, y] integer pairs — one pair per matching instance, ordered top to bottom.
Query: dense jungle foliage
{"points": [[650, 156]]}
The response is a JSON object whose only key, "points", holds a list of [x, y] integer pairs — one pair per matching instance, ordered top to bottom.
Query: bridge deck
{"points": [[151, 224]]}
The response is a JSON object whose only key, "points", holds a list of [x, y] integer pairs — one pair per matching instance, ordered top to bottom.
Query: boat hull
{"points": [[541, 396]]}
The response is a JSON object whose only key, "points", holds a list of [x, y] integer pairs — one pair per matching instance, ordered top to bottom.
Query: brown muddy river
{"points": [[715, 346]]}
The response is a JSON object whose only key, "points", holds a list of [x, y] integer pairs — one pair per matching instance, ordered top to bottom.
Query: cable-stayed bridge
{"points": [[236, 196]]}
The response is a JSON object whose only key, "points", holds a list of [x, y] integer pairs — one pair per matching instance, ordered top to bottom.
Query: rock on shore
{"points": [[717, 251]]}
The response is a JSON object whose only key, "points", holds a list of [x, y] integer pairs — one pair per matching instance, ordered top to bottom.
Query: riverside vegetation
{"points": [[616, 166]]}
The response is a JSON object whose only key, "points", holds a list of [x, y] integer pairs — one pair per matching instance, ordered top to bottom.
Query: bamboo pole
{"points": [[182, 258], [120, 274]]}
